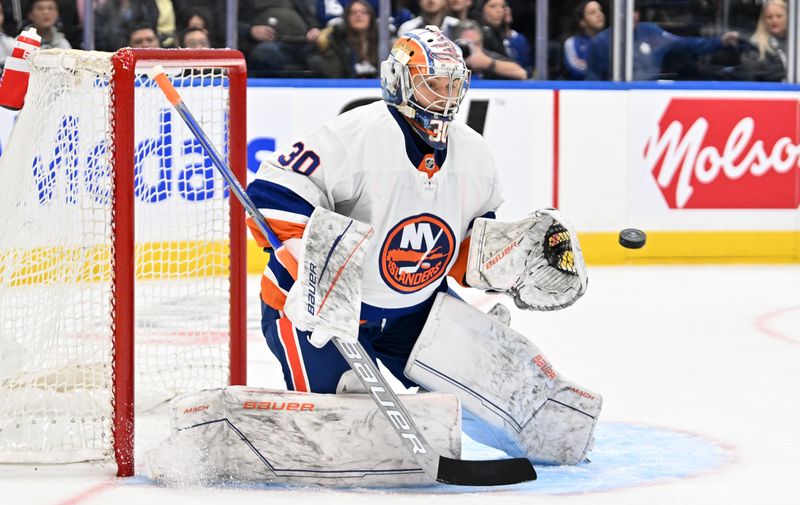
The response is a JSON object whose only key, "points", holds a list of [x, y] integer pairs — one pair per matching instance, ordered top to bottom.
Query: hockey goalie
{"points": [[375, 209]]}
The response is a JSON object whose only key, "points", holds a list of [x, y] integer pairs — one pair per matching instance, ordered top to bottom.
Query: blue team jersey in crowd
{"points": [[651, 44], [576, 54]]}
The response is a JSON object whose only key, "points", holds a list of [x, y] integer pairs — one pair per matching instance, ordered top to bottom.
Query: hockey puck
{"points": [[632, 238]]}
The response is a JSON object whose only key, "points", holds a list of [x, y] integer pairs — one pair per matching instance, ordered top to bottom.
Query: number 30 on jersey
{"points": [[439, 129], [301, 160]]}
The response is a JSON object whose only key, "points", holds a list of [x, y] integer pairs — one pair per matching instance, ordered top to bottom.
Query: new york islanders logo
{"points": [[416, 252]]}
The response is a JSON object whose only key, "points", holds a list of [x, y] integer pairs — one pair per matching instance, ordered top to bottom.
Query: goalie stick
{"points": [[441, 468]]}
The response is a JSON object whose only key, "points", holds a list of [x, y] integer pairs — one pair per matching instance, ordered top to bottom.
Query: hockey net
{"points": [[114, 228]]}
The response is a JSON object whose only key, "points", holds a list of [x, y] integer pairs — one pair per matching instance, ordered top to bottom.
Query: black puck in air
{"points": [[632, 238]]}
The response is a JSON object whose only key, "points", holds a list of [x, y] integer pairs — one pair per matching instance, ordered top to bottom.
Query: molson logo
{"points": [[727, 154]]}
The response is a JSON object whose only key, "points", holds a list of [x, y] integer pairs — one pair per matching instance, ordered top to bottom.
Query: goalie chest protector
{"points": [[360, 165]]}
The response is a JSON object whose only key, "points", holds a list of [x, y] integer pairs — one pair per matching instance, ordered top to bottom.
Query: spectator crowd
{"points": [[339, 38]]}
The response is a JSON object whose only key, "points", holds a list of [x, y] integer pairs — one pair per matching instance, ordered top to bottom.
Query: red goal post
{"points": [[127, 63], [123, 256]]}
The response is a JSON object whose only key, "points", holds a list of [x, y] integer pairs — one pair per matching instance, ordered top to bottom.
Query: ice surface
{"points": [[699, 367]]}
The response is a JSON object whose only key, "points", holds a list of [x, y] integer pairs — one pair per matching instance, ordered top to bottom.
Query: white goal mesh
{"points": [[61, 295]]}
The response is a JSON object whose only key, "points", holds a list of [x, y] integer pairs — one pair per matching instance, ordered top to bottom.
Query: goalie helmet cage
{"points": [[98, 220]]}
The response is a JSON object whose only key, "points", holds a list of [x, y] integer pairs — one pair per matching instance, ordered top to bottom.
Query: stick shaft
{"points": [[226, 173]]}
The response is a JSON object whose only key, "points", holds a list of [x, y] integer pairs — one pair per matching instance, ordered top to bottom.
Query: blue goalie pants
{"points": [[310, 369]]}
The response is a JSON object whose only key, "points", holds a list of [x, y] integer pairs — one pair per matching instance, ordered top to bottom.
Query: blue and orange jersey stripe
{"points": [[287, 214], [284, 230]]}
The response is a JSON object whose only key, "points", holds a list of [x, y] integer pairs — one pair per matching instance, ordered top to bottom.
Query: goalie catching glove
{"points": [[537, 261]]}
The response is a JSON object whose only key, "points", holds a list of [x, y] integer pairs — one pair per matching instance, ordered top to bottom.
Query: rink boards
{"points": [[708, 170], [710, 174]]}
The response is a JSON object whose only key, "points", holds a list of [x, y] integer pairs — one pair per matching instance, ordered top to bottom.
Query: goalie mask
{"points": [[425, 78]]}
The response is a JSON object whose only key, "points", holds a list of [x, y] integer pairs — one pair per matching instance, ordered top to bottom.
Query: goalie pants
{"points": [[307, 368]]}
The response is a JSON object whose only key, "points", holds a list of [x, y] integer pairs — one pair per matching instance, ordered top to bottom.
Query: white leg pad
{"points": [[505, 381], [259, 435]]}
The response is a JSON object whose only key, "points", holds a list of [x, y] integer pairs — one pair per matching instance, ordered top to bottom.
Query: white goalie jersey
{"points": [[365, 164]]}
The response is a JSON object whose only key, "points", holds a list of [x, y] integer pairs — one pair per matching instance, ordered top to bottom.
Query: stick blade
{"points": [[497, 472]]}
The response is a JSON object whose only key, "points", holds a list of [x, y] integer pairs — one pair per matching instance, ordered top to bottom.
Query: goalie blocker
{"points": [[515, 399]]}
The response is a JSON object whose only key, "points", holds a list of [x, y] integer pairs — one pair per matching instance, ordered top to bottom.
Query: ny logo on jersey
{"points": [[415, 236], [416, 252]]}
